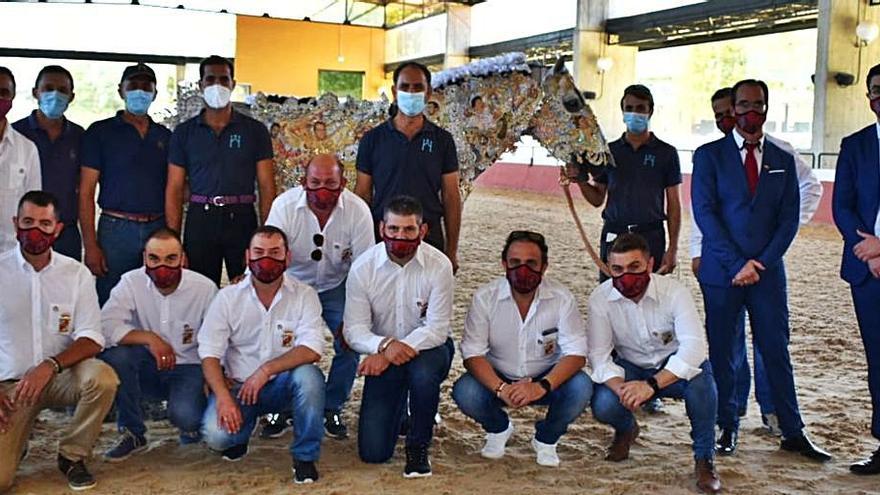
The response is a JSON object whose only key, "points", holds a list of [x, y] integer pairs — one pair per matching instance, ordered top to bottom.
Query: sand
{"points": [[826, 350]]}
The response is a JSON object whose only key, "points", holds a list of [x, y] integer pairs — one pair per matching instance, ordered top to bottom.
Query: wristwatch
{"points": [[653, 383], [545, 384]]}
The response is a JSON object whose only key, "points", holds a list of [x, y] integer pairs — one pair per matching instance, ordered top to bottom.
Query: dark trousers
{"points": [[217, 234], [656, 239], [69, 243], [123, 244], [866, 297], [767, 305], [744, 376]]}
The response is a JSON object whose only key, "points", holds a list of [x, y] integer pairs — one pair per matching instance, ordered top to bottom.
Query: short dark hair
{"points": [[216, 60], [53, 69], [4, 71], [873, 71], [396, 75], [751, 82], [641, 92], [726, 92], [315, 124], [39, 198], [404, 206], [269, 231], [164, 233], [526, 236], [629, 241]]}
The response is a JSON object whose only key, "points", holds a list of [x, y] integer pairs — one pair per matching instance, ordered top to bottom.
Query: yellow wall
{"points": [[283, 57]]}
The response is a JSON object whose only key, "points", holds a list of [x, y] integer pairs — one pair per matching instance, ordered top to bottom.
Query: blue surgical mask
{"points": [[138, 101], [53, 104], [411, 104], [636, 123]]}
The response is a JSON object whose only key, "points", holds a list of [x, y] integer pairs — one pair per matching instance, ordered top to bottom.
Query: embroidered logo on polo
{"points": [[235, 141], [428, 145], [649, 161]]}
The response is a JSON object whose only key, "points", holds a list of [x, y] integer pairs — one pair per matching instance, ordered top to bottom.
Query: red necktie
{"points": [[751, 165]]}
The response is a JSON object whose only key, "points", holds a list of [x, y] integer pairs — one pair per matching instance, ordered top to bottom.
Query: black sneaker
{"points": [[276, 425], [333, 425], [127, 446], [235, 453], [417, 463], [304, 472], [78, 477]]}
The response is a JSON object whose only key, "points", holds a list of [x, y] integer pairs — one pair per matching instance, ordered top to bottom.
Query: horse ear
{"points": [[559, 66]]}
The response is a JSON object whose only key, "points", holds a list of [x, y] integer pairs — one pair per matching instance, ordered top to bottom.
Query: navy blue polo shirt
{"points": [[59, 162], [222, 164], [412, 167], [133, 169], [638, 181]]}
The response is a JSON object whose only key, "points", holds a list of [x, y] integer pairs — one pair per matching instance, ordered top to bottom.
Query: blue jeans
{"points": [[123, 244], [345, 361], [182, 387], [300, 390], [700, 400], [384, 402], [566, 404]]}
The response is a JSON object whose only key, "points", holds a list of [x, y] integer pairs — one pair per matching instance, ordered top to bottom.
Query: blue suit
{"points": [[855, 205], [738, 227]]}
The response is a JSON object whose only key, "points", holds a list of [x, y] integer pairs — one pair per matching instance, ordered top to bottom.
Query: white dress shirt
{"points": [[19, 173], [809, 185], [347, 234], [412, 303], [136, 304], [43, 313], [663, 324], [240, 331], [519, 348]]}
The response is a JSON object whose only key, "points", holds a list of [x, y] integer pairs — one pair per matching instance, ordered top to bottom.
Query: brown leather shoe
{"points": [[619, 449], [707, 478]]}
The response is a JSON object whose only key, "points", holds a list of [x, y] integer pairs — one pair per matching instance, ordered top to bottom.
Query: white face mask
{"points": [[217, 96]]}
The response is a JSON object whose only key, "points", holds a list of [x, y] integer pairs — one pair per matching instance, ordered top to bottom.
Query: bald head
{"points": [[324, 170]]}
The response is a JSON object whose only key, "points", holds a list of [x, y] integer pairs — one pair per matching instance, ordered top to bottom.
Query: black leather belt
{"points": [[635, 228]]}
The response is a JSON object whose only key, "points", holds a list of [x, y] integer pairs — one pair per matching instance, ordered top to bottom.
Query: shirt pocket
{"points": [[421, 306], [60, 319], [283, 335], [663, 335], [184, 336], [547, 344]]}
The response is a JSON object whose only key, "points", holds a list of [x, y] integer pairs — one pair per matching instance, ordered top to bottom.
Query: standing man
{"points": [[58, 142], [222, 153], [409, 154], [127, 155], [19, 162], [746, 201], [856, 204], [328, 227], [398, 311], [151, 323], [50, 331], [524, 344]]}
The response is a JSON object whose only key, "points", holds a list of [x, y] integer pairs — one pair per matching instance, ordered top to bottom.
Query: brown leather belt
{"points": [[243, 199], [133, 217]]}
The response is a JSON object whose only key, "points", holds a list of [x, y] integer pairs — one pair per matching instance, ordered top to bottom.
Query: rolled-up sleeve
{"points": [[695, 243], [87, 312], [118, 316], [358, 316], [438, 318], [311, 327], [215, 331], [572, 332], [475, 340], [600, 340], [692, 347]]}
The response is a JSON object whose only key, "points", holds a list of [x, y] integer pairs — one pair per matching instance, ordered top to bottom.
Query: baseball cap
{"points": [[138, 70]]}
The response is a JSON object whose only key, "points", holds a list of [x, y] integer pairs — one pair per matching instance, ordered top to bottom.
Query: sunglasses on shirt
{"points": [[318, 254]]}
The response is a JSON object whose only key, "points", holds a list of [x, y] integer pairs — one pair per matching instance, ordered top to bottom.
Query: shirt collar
{"points": [[235, 117], [121, 121], [34, 124], [428, 127], [740, 140], [650, 143], [385, 259], [26, 266]]}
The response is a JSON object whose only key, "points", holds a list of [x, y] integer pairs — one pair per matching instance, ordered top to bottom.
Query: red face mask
{"points": [[875, 105], [5, 106], [751, 121], [726, 124], [323, 198], [34, 241], [401, 248], [266, 269], [164, 276], [523, 278], [632, 285]]}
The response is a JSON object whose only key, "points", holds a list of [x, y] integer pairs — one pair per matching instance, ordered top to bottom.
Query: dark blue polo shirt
{"points": [[59, 162], [224, 164], [412, 167], [133, 170], [637, 182]]}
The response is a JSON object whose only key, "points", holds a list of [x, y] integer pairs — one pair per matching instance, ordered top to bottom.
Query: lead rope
{"points": [[565, 182]]}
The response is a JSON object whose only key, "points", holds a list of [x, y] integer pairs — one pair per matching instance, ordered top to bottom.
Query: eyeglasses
{"points": [[519, 235], [317, 254]]}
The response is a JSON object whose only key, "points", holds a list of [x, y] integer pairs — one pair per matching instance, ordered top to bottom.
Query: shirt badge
{"points": [[235, 141], [427, 145], [649, 161], [346, 255], [423, 308], [64, 323], [188, 334]]}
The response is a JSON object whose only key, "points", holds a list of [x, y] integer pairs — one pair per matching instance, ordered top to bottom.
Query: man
{"points": [[58, 142], [222, 153], [409, 154], [127, 155], [19, 161], [642, 187], [810, 196], [745, 201], [855, 207], [328, 227], [398, 311], [152, 318], [652, 325], [50, 331], [268, 331], [524, 344]]}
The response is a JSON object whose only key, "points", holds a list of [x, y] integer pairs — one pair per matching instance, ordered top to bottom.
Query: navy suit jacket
{"points": [[856, 197], [736, 226]]}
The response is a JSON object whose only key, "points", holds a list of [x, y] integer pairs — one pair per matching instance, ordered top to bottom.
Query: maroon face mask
{"points": [[875, 105], [751, 121], [726, 124], [323, 198], [35, 241], [401, 248], [267, 269], [164, 276], [523, 279], [632, 285]]}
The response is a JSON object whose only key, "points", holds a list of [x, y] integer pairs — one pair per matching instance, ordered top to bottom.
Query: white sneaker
{"points": [[496, 442], [546, 453]]}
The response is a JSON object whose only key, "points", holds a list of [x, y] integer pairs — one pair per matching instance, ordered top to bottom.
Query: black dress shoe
{"points": [[727, 442], [803, 446], [871, 465]]}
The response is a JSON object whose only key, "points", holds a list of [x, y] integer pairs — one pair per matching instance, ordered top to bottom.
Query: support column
{"points": [[458, 35]]}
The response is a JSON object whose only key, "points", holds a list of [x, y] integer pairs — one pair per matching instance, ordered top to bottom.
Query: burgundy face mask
{"points": [[875, 105], [751, 121], [726, 124], [323, 198], [35, 241], [401, 248], [267, 269], [164, 276], [523, 279], [632, 285]]}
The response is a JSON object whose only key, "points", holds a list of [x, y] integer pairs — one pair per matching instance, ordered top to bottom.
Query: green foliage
{"points": [[341, 83]]}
